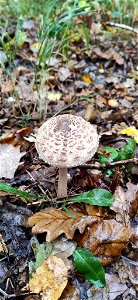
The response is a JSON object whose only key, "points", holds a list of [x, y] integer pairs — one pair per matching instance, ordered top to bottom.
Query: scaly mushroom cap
{"points": [[66, 141]]}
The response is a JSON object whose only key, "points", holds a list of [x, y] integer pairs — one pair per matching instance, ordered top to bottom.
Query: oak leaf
{"points": [[126, 203], [55, 222], [106, 240], [50, 278]]}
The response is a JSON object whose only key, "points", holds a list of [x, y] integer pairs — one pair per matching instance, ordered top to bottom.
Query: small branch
{"points": [[122, 26], [112, 164]]}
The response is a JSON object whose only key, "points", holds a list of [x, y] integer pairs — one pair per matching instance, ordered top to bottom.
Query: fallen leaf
{"points": [[28, 24], [95, 27], [110, 54], [63, 73], [86, 79], [7, 87], [53, 96], [113, 103], [90, 113], [131, 131], [16, 138], [10, 152], [12, 155], [132, 198], [125, 204], [55, 222], [106, 240], [3, 247], [63, 248], [41, 252], [87, 264], [127, 268], [50, 279], [114, 290], [70, 293]]}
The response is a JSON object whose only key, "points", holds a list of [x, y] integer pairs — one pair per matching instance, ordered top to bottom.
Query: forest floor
{"points": [[99, 82]]}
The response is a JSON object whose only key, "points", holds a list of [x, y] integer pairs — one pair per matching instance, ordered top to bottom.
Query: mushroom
{"points": [[66, 141]]}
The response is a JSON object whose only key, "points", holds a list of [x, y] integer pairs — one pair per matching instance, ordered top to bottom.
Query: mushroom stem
{"points": [[62, 183]]}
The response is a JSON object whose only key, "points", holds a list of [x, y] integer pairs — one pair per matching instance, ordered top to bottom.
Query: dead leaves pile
{"points": [[104, 238]]}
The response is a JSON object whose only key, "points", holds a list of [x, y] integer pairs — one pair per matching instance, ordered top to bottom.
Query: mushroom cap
{"points": [[66, 141]]}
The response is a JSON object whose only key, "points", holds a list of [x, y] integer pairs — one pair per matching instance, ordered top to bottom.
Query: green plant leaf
{"points": [[127, 151], [111, 154], [115, 154], [9, 189], [100, 197], [41, 252], [87, 264]]}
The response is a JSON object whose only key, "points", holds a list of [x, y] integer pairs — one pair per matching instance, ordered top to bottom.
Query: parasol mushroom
{"points": [[66, 141]]}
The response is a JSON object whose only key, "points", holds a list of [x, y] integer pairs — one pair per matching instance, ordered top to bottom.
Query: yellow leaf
{"points": [[36, 45], [86, 79], [53, 96], [113, 103], [132, 131], [50, 279]]}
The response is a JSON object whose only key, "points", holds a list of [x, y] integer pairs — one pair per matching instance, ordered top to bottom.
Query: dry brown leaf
{"points": [[95, 28], [110, 54], [63, 73], [7, 87], [16, 138], [126, 203], [55, 222], [106, 240], [63, 248], [127, 269], [50, 279], [113, 289], [71, 292]]}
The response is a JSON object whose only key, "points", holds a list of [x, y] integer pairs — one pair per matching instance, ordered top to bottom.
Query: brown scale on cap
{"points": [[66, 141]]}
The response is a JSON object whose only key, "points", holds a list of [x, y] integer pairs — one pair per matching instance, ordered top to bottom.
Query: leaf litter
{"points": [[101, 86]]}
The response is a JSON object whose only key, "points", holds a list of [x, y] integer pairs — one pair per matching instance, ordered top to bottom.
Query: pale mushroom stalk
{"points": [[62, 183]]}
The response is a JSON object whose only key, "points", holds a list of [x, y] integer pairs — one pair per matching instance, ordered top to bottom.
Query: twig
{"points": [[122, 26], [112, 164], [129, 261], [8, 296]]}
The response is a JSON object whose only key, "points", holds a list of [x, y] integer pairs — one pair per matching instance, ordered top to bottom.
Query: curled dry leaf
{"points": [[110, 54], [16, 138], [126, 203], [55, 222], [106, 239], [50, 279]]}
